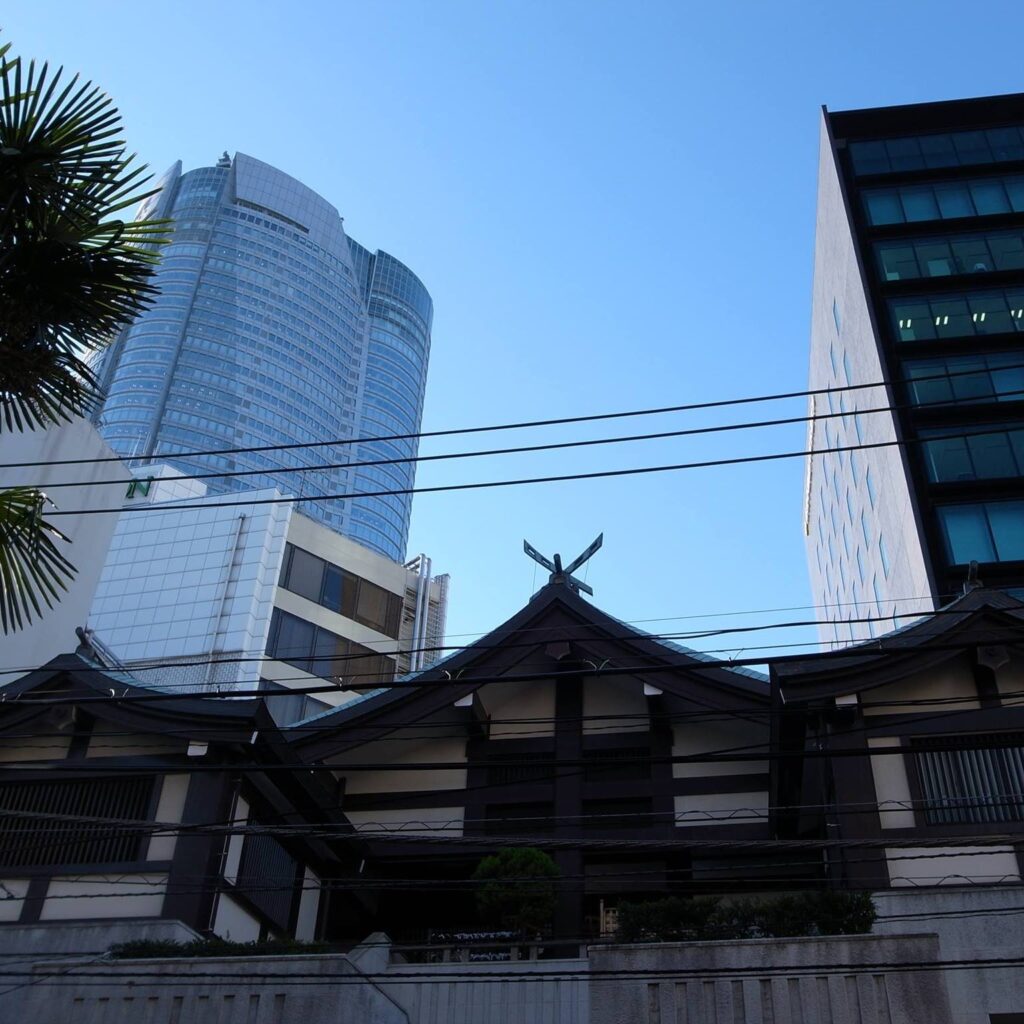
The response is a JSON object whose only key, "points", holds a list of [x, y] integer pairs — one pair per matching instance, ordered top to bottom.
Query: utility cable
{"points": [[515, 425], [201, 503]]}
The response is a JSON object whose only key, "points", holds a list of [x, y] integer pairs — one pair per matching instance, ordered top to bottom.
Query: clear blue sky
{"points": [[612, 205]]}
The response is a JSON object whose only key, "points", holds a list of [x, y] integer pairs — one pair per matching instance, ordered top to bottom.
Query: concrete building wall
{"points": [[843, 352], [103, 486], [972, 923]]}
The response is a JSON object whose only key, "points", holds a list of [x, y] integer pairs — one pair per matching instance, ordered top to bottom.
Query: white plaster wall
{"points": [[837, 279], [54, 632], [953, 681], [605, 699], [518, 701], [697, 737], [108, 739], [50, 747], [430, 752], [891, 783], [173, 790], [721, 809], [421, 821], [233, 858], [952, 865], [87, 896], [12, 898], [309, 904], [234, 922]]}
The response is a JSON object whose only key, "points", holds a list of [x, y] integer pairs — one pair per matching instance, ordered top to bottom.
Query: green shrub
{"points": [[517, 890], [708, 918]]}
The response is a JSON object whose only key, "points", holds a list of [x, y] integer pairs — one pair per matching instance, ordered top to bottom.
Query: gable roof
{"points": [[555, 615], [979, 618]]}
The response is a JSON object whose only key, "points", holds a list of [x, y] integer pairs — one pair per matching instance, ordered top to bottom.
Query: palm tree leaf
{"points": [[33, 571]]}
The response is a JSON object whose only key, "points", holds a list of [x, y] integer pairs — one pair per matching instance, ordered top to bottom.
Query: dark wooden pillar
{"points": [[569, 803], [193, 879]]}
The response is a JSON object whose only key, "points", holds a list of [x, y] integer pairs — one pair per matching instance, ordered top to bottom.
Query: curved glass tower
{"points": [[273, 328]]}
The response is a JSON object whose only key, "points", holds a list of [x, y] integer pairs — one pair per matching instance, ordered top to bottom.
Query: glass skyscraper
{"points": [[274, 328]]}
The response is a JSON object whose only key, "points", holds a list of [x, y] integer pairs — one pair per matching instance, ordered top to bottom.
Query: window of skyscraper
{"points": [[950, 149], [981, 197], [942, 257], [958, 316], [992, 377], [985, 452], [991, 531]]}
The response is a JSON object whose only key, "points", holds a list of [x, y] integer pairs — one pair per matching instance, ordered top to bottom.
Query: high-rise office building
{"points": [[918, 283], [273, 328]]}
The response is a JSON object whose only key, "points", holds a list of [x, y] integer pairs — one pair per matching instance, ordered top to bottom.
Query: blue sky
{"points": [[612, 205]]}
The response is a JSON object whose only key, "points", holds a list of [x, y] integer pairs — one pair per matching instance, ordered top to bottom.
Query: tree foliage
{"points": [[72, 274], [517, 889]]}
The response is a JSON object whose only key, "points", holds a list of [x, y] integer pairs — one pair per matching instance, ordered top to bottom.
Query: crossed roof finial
{"points": [[560, 574]]}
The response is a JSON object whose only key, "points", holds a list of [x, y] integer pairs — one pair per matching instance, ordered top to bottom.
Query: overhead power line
{"points": [[656, 411], [493, 428], [524, 449], [202, 503], [561, 633], [888, 645]]}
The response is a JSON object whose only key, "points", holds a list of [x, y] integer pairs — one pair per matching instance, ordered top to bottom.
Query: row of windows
{"points": [[948, 149], [981, 197], [941, 257], [958, 316], [991, 377], [983, 454], [991, 531], [341, 591], [322, 653]]}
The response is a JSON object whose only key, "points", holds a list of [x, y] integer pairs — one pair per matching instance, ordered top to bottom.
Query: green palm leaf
{"points": [[72, 273], [33, 572]]}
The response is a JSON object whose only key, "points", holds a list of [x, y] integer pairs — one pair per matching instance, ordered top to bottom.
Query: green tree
{"points": [[72, 274], [517, 889]]}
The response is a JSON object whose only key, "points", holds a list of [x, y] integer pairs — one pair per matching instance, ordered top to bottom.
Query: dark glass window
{"points": [[948, 149], [942, 257], [958, 316], [993, 377], [984, 453], [991, 531], [306, 573], [330, 586], [323, 653]]}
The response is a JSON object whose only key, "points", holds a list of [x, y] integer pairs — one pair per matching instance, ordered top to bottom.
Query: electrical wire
{"points": [[515, 425], [551, 446], [203, 503], [695, 663]]}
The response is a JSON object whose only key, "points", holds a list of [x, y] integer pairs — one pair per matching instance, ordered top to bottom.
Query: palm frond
{"points": [[73, 274], [33, 572]]}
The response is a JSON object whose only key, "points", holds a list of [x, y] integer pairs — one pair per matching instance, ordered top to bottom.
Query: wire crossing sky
{"points": [[612, 206]]}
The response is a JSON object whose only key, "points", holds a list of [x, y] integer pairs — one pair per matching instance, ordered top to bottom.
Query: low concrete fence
{"points": [[911, 969], [843, 980]]}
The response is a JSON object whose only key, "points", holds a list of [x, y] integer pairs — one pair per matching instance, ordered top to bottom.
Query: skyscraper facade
{"points": [[919, 288], [274, 331]]}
